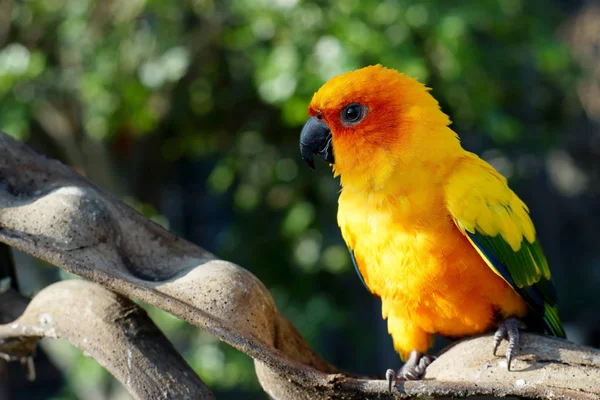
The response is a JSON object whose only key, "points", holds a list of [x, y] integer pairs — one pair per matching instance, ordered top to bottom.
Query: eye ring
{"points": [[352, 114]]}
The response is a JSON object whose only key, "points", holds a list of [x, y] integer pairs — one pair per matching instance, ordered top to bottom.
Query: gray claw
{"points": [[508, 329], [498, 336], [424, 362], [412, 370], [390, 376]]}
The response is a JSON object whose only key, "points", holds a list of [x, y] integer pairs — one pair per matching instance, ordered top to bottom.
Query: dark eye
{"points": [[353, 113]]}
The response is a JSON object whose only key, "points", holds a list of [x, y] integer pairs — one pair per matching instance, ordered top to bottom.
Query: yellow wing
{"points": [[498, 225]]}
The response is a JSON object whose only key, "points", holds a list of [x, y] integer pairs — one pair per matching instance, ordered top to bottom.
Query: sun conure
{"points": [[434, 231]]}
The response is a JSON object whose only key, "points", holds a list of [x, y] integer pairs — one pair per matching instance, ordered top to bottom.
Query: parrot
{"points": [[433, 231]]}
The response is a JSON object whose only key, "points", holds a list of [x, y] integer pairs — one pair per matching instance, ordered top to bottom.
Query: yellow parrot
{"points": [[433, 230]]}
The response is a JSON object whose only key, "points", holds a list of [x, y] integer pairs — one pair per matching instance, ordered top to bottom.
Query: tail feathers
{"points": [[552, 320]]}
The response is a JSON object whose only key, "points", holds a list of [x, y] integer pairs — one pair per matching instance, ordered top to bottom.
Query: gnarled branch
{"points": [[48, 210], [110, 328]]}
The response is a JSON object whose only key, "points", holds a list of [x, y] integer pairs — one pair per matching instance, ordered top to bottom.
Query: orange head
{"points": [[372, 123]]}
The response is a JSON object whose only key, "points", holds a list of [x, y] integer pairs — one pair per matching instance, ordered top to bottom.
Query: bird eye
{"points": [[353, 113]]}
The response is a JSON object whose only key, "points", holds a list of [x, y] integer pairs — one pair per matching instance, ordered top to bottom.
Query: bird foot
{"points": [[509, 330], [414, 369]]}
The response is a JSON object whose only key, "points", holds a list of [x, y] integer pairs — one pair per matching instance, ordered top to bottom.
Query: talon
{"points": [[508, 329], [498, 336], [513, 340], [425, 361], [415, 367], [390, 376], [409, 376]]}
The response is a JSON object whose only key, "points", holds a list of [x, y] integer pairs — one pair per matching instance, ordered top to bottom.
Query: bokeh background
{"points": [[190, 111]]}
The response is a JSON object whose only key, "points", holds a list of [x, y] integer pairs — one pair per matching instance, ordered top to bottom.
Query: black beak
{"points": [[315, 138]]}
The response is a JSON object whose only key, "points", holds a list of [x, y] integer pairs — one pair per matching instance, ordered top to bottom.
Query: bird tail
{"points": [[552, 321]]}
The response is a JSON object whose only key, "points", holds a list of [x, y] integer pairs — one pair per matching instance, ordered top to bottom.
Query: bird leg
{"points": [[509, 330], [412, 370]]}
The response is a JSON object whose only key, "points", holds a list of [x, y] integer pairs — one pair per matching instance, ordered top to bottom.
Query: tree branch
{"points": [[48, 210], [110, 328]]}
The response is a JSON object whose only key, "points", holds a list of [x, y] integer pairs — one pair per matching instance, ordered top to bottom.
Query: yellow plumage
{"points": [[413, 208], [413, 256]]}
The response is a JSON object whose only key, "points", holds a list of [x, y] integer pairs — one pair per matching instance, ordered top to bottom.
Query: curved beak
{"points": [[315, 138]]}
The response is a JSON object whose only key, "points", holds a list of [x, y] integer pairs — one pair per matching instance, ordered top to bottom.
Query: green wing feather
{"points": [[498, 225], [524, 271]]}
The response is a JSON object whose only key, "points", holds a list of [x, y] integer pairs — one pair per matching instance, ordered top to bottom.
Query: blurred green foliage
{"points": [[190, 111]]}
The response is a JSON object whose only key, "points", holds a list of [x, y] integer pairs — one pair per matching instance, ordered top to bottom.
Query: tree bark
{"points": [[49, 211], [108, 327]]}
